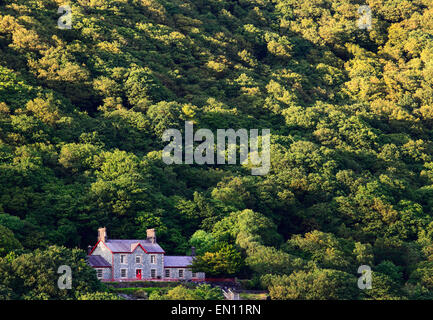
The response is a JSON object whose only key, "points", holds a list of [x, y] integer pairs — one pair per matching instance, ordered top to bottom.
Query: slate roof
{"points": [[129, 245], [98, 261], [177, 261]]}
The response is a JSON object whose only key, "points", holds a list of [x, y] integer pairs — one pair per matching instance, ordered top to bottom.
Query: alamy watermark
{"points": [[65, 21], [365, 21], [177, 153], [65, 280], [364, 281]]}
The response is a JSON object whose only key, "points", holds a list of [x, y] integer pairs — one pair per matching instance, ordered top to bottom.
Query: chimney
{"points": [[102, 234], [151, 236], [89, 249], [193, 251]]}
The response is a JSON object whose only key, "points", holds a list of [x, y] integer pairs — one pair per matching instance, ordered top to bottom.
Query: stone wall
{"points": [[131, 266]]}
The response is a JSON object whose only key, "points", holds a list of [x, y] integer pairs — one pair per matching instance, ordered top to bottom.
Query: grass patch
{"points": [[142, 292], [253, 296]]}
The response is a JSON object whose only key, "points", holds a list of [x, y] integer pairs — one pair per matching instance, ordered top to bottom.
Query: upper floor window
{"points": [[123, 258], [137, 259], [153, 259]]}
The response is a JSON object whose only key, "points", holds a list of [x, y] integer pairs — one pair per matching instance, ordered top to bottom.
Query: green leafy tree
{"points": [[8, 242], [225, 261], [23, 274], [319, 284]]}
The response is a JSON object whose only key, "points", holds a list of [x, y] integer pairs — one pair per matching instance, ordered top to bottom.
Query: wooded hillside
{"points": [[82, 112]]}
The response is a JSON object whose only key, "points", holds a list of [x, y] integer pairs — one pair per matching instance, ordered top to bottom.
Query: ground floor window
{"points": [[99, 273], [123, 273], [153, 273], [167, 273], [180, 273], [194, 275]]}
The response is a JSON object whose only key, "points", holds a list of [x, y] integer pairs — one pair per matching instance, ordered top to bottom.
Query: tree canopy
{"points": [[350, 110]]}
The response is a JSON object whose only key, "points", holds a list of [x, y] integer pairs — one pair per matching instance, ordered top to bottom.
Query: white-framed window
{"points": [[123, 259], [137, 259], [152, 259], [99, 273], [123, 273], [153, 273], [167, 273], [181, 273], [194, 274]]}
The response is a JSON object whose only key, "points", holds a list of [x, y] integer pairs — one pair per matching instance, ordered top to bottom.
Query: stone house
{"points": [[132, 260]]}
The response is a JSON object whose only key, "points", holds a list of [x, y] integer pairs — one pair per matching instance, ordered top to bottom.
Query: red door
{"points": [[138, 274]]}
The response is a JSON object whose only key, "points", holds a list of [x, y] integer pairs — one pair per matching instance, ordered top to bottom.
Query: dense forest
{"points": [[83, 110]]}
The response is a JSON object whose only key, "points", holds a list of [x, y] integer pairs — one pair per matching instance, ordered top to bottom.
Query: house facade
{"points": [[132, 260]]}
